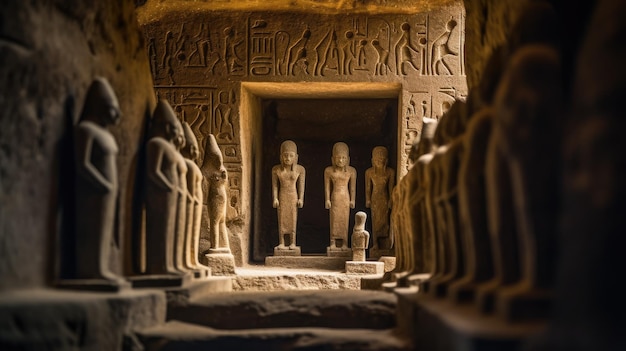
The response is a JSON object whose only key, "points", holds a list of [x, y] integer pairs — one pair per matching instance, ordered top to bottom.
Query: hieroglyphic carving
{"points": [[261, 49], [444, 50], [406, 53], [223, 116], [234, 185]]}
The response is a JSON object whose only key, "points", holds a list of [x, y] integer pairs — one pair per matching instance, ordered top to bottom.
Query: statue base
{"points": [[220, 250], [286, 251], [338, 252], [378, 253], [389, 261], [307, 262], [220, 263], [365, 267], [160, 280], [101, 285]]}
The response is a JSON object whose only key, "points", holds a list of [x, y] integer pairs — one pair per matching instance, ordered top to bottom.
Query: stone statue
{"points": [[191, 153], [96, 183], [379, 184], [162, 189], [288, 192], [339, 192], [217, 198], [181, 206], [360, 237]]}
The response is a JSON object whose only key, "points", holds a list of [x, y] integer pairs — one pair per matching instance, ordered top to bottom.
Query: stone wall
{"points": [[49, 53], [200, 57]]}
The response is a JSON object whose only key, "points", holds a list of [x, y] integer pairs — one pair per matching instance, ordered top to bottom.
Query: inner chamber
{"points": [[315, 125]]}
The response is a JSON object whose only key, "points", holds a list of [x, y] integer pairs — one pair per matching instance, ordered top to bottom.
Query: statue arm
{"points": [[155, 158], [86, 168], [301, 180], [352, 187], [275, 188], [327, 188], [368, 188]]}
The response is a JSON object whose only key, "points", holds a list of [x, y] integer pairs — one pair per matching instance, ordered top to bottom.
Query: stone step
{"points": [[276, 278], [280, 309], [176, 335]]}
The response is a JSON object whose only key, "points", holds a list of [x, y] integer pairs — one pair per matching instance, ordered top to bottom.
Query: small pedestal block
{"points": [[286, 251], [338, 252], [389, 261], [220, 263], [365, 267]]}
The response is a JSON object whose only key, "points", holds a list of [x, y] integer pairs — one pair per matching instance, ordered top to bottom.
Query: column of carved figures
{"points": [[191, 153], [215, 174], [288, 181], [379, 184], [96, 190], [162, 191], [339, 192]]}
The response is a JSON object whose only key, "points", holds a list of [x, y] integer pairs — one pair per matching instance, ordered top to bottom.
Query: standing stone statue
{"points": [[191, 152], [96, 183], [379, 183], [162, 190], [339, 192], [288, 193], [217, 198], [181, 206], [360, 237]]}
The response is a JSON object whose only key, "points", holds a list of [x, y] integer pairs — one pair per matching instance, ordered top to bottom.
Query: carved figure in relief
{"points": [[281, 38], [231, 42], [202, 47], [441, 49], [297, 51], [405, 52], [348, 54], [361, 56], [166, 62], [382, 65], [223, 117], [191, 153], [96, 182], [379, 184], [162, 189], [288, 192], [339, 193], [217, 197], [360, 237]]}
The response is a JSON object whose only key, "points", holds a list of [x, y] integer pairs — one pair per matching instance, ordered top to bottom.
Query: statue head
{"points": [[101, 105], [165, 124], [191, 149], [288, 153], [341, 155], [379, 157], [213, 159], [359, 221]]}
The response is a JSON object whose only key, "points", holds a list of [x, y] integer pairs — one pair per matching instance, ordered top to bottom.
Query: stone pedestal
{"points": [[287, 251], [337, 252], [389, 261], [308, 262], [220, 263], [365, 267], [160, 280], [102, 285]]}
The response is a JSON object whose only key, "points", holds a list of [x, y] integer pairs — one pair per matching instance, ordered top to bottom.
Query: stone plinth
{"points": [[287, 251], [337, 252], [389, 261], [311, 262], [220, 263], [365, 267], [264, 278], [160, 280], [94, 285], [49, 319], [439, 324]]}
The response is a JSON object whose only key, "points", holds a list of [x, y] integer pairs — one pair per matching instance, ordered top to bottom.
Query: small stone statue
{"points": [[191, 153], [96, 183], [379, 183], [162, 190], [288, 192], [340, 192], [217, 198], [181, 206], [360, 237]]}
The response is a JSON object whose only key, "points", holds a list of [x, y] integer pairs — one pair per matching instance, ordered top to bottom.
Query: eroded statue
{"points": [[379, 184], [339, 193], [217, 198], [360, 237]]}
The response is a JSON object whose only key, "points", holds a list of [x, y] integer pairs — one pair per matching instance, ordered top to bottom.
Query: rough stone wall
{"points": [[49, 53], [200, 56]]}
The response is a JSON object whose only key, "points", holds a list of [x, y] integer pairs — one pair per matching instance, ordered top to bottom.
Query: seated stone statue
{"points": [[96, 183], [379, 184], [162, 190], [340, 192], [288, 193]]}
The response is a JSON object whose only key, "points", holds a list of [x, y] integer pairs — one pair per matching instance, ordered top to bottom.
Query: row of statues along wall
{"points": [[288, 180], [173, 196], [475, 216]]}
